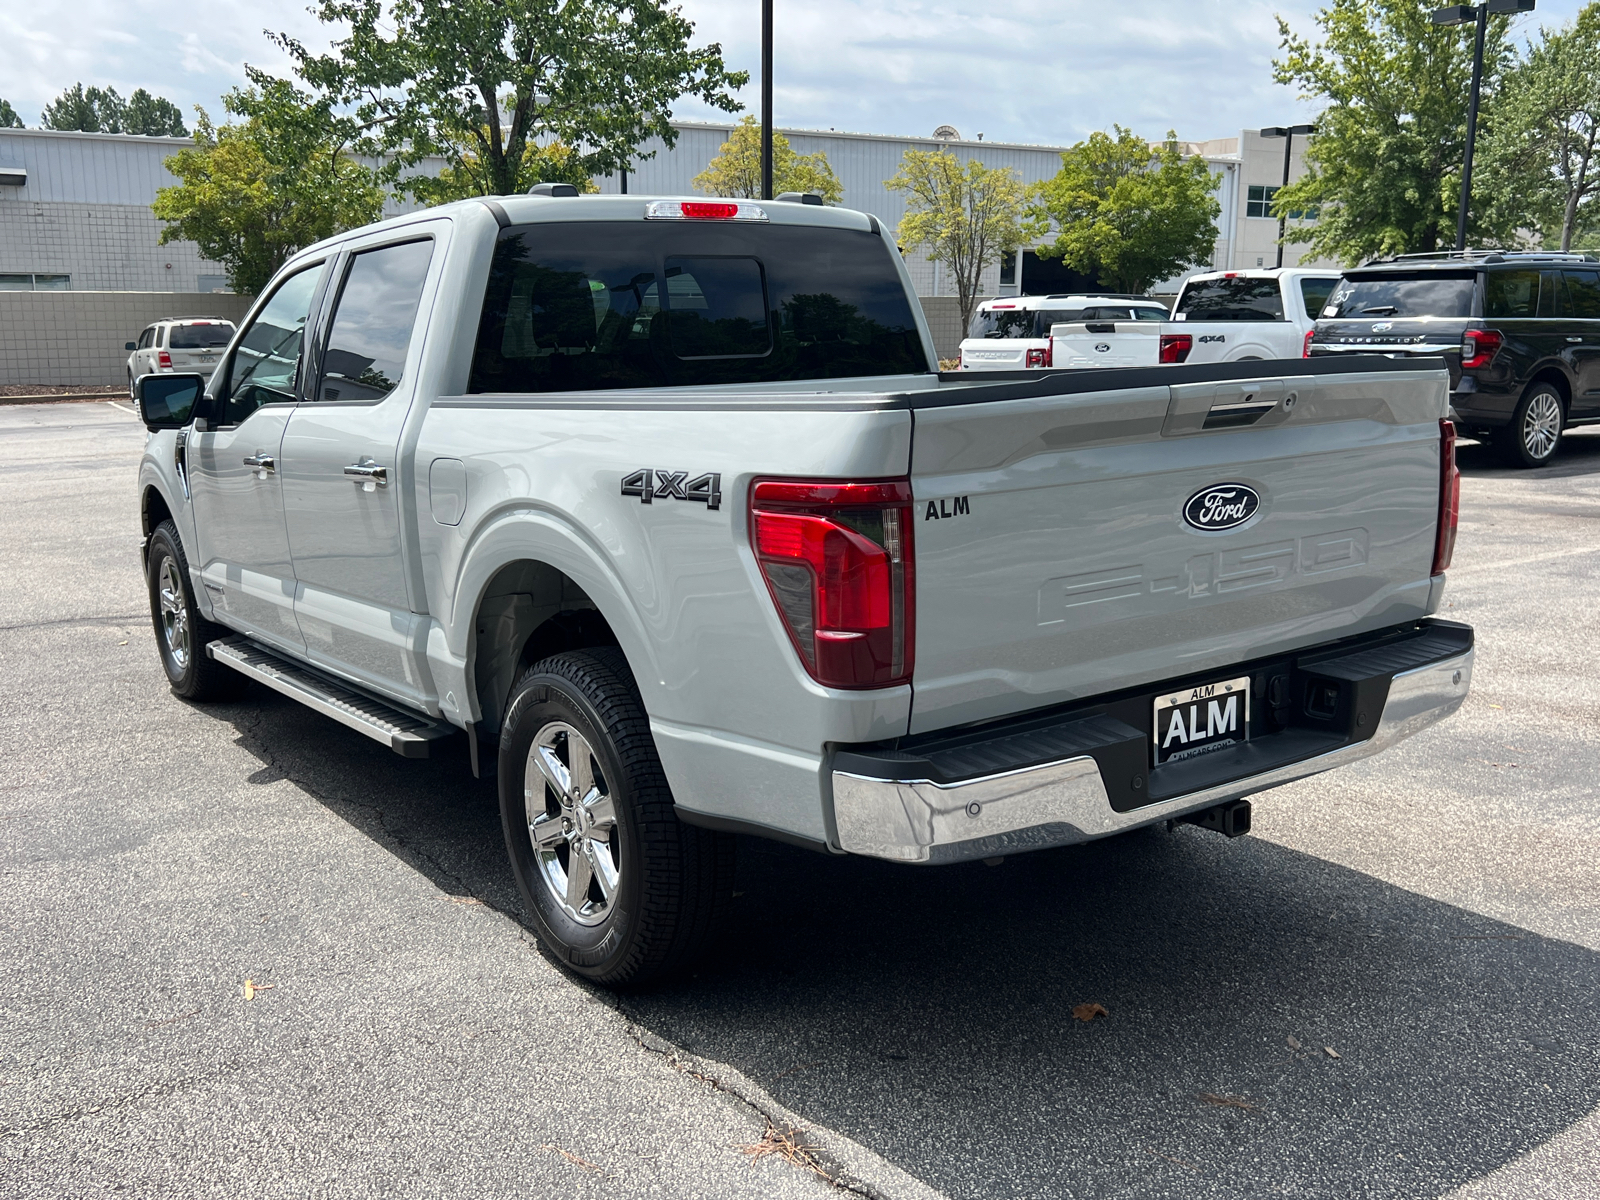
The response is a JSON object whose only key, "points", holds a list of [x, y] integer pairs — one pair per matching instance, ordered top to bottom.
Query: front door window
{"points": [[266, 366]]}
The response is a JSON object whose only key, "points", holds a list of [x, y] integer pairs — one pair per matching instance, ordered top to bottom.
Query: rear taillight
{"points": [[1175, 347], [1305, 347], [1478, 347], [1039, 358], [164, 360], [1444, 544], [837, 559]]}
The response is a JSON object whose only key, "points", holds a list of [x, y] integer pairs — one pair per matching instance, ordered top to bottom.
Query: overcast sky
{"points": [[1021, 71]]}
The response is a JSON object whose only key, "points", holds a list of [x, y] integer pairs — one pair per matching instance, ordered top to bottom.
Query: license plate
{"points": [[1201, 719]]}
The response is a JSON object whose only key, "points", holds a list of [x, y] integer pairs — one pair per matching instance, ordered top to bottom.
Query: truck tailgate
{"points": [[1105, 344], [1054, 559]]}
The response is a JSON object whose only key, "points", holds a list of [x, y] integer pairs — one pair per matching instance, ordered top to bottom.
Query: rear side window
{"points": [[1316, 293], [1430, 294], [1511, 294], [1583, 294], [1236, 299], [623, 304], [372, 321], [207, 335]]}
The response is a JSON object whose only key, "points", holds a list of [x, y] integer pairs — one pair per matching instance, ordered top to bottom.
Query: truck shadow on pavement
{"points": [[1578, 454], [1275, 1024]]}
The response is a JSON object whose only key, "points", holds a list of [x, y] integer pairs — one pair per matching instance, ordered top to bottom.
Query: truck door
{"points": [[1581, 333], [235, 479], [342, 487]]}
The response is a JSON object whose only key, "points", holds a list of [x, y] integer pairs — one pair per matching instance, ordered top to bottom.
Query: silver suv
{"points": [[189, 344]]}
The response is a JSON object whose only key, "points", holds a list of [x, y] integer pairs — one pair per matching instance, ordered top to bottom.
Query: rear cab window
{"points": [[1315, 293], [1403, 294], [1240, 298], [624, 304]]}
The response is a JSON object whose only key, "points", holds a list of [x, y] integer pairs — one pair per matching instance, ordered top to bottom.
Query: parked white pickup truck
{"points": [[1231, 316], [664, 504]]}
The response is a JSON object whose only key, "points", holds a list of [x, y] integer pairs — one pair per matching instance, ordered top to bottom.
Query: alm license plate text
{"points": [[1201, 719]]}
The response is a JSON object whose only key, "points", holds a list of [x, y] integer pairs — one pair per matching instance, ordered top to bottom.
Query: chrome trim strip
{"points": [[1060, 803]]}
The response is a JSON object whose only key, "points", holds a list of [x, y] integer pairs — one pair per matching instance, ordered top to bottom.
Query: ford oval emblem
{"points": [[1383, 327], [1102, 347], [1222, 506]]}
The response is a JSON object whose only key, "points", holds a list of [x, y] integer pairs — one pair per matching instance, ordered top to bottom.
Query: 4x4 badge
{"points": [[651, 484]]}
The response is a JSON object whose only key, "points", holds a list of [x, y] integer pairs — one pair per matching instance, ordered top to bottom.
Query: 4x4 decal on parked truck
{"points": [[649, 483]]}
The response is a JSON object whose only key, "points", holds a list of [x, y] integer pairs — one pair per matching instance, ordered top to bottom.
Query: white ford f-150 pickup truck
{"points": [[1231, 316], [663, 506]]}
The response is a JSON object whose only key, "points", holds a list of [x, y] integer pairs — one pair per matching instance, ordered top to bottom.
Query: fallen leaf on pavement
{"points": [[251, 987], [1088, 1012], [1294, 1042], [1330, 1052], [1227, 1101], [789, 1145], [573, 1158]]}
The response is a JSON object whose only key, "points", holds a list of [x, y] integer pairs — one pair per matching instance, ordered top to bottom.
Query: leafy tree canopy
{"points": [[480, 81], [102, 110], [8, 116], [1540, 164], [1384, 167], [736, 170], [254, 193], [1128, 214], [965, 215]]}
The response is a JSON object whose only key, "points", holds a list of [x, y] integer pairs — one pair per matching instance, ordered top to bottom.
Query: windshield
{"points": [[1433, 294], [1230, 299], [633, 304], [208, 335]]}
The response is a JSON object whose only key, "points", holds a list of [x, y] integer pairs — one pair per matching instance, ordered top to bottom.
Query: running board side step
{"points": [[407, 734]]}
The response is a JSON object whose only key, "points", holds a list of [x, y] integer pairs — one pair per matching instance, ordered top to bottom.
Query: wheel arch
{"points": [[1557, 378]]}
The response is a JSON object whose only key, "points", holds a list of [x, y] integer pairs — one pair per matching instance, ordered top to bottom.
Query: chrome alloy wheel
{"points": [[1541, 425], [174, 614], [572, 823]]}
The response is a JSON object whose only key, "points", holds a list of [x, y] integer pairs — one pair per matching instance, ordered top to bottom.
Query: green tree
{"points": [[480, 81], [8, 116], [152, 116], [554, 162], [1384, 167], [1540, 167], [736, 170], [253, 193], [1127, 213], [963, 215]]}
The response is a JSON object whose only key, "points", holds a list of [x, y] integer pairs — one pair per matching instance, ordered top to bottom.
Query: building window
{"points": [[1259, 204], [35, 283]]}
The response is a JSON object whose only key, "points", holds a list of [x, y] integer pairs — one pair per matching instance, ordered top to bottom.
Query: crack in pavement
{"points": [[109, 620]]}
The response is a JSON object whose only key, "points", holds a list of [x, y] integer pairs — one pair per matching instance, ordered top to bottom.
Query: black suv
{"points": [[1520, 333]]}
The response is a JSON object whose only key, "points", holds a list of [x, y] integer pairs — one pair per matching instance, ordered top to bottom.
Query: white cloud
{"points": [[1017, 70]]}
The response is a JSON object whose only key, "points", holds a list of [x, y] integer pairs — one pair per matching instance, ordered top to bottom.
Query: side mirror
{"points": [[130, 345], [168, 401]]}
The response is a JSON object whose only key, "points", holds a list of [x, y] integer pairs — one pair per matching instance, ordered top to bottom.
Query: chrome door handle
{"points": [[1574, 339], [264, 463], [367, 472]]}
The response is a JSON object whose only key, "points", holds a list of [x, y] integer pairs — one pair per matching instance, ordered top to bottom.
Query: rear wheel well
{"points": [[1556, 380], [529, 611]]}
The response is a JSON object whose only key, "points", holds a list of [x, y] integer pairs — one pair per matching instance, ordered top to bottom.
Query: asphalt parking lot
{"points": [[1391, 989]]}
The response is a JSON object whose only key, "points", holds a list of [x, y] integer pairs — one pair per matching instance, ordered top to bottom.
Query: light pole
{"points": [[1478, 14], [766, 99], [1286, 132]]}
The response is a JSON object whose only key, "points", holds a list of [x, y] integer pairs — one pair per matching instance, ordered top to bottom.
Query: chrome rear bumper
{"points": [[1060, 803]]}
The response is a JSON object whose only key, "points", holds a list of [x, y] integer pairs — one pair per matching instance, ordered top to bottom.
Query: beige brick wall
{"points": [[104, 247], [944, 321], [78, 337]]}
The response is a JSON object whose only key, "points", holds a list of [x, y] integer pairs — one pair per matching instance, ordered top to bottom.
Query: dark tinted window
{"points": [[1316, 293], [1431, 294], [1511, 294], [1583, 294], [1552, 295], [1236, 299], [635, 304], [372, 320], [1005, 323], [207, 336], [147, 337], [266, 365]]}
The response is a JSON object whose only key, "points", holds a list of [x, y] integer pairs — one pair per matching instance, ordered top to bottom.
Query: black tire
{"points": [[130, 384], [1534, 434], [181, 632], [672, 882]]}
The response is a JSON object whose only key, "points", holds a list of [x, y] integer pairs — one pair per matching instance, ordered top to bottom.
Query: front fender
{"points": [[161, 475]]}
